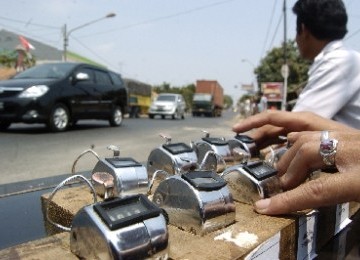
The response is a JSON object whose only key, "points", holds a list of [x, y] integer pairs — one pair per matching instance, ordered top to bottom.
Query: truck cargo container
{"points": [[139, 95], [208, 98]]}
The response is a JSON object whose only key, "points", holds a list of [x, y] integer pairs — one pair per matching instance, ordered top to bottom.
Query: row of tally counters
{"points": [[248, 180], [194, 196], [128, 225]]}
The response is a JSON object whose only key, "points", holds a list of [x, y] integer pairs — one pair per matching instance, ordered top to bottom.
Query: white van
{"points": [[168, 104]]}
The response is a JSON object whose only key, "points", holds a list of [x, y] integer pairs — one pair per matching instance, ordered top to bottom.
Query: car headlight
{"points": [[34, 91]]}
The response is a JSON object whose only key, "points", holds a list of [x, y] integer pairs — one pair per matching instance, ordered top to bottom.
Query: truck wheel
{"points": [[116, 116], [59, 118], [4, 125]]}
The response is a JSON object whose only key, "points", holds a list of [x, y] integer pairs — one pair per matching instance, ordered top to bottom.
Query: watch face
{"points": [[177, 148], [122, 162], [260, 170], [122, 212]]}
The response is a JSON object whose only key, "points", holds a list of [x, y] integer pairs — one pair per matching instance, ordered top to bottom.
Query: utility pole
{"points": [[66, 33], [66, 40], [285, 67]]}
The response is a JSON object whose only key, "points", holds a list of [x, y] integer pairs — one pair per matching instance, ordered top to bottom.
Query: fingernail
{"points": [[262, 205]]}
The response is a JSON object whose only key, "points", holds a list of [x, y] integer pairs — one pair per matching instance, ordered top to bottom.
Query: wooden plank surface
{"points": [[252, 233]]}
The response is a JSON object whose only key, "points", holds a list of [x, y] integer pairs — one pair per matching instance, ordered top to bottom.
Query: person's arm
{"points": [[268, 126], [303, 157]]}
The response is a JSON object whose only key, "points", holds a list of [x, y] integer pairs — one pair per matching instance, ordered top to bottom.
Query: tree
{"points": [[9, 58], [269, 69], [186, 91], [228, 101]]}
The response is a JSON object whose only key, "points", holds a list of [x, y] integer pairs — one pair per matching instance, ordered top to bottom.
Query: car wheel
{"points": [[176, 115], [151, 116], [183, 116], [116, 117], [59, 119], [4, 125]]}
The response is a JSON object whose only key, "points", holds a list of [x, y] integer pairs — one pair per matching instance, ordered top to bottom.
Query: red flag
{"points": [[25, 43]]}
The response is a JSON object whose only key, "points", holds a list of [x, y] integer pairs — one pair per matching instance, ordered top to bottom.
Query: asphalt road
{"points": [[29, 152]]}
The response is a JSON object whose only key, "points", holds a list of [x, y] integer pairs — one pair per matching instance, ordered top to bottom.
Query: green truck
{"points": [[208, 99]]}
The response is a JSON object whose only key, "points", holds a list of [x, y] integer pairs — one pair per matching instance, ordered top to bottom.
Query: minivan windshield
{"points": [[53, 71], [166, 98]]}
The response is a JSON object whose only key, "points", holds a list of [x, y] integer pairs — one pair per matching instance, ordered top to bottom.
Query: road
{"points": [[29, 152]]}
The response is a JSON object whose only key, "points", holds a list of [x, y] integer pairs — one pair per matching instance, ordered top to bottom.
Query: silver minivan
{"points": [[168, 104]]}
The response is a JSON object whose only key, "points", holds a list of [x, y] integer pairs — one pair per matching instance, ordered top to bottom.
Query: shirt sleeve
{"points": [[326, 91]]}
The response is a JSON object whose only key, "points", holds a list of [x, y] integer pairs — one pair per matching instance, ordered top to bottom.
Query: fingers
{"points": [[275, 118], [289, 122], [267, 135], [301, 158], [346, 158], [327, 190]]}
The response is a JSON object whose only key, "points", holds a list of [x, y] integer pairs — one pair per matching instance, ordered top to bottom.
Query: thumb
{"points": [[324, 191]]}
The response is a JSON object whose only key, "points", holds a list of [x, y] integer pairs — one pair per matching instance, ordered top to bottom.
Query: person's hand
{"points": [[269, 125], [300, 160]]}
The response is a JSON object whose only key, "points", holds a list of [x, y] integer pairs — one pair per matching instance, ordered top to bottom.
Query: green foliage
{"points": [[8, 59], [269, 69], [228, 101]]}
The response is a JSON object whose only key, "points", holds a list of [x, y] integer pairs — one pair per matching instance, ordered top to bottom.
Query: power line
{"points": [[165, 17], [28, 23], [268, 30], [276, 30], [352, 35], [93, 52]]}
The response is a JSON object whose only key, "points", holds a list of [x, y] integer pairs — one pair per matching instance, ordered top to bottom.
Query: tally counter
{"points": [[174, 158], [129, 176], [252, 181], [197, 201]]}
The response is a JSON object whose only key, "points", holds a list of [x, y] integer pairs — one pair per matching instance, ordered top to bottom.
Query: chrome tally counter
{"points": [[246, 143], [216, 144], [221, 147], [174, 158], [129, 176], [252, 181], [197, 201], [120, 228]]}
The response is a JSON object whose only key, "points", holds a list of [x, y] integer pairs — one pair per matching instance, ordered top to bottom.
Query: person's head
{"points": [[325, 20]]}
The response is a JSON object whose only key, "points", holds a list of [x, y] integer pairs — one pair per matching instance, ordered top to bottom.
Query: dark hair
{"points": [[325, 19]]}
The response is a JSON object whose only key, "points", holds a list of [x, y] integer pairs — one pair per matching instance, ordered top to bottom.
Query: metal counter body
{"points": [[246, 143], [218, 145], [173, 162], [130, 177], [248, 188], [195, 210], [91, 238]]}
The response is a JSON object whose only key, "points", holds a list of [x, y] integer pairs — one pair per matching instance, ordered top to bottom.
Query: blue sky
{"points": [[173, 41]]}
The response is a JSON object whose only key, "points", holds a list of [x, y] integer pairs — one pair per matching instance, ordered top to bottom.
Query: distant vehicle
{"points": [[273, 91], [60, 94], [139, 97], [208, 99], [168, 104]]}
